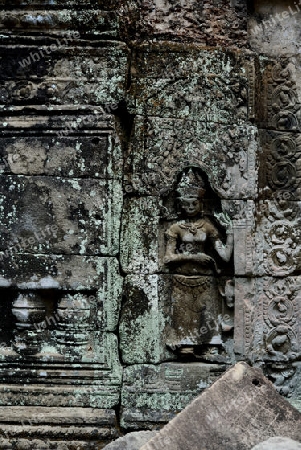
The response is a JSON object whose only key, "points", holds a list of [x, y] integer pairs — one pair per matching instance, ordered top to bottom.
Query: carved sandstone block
{"points": [[205, 22], [70, 24], [99, 75], [208, 86], [278, 97], [161, 148], [279, 165], [84, 215], [147, 219], [139, 235], [278, 248], [167, 317], [143, 318], [266, 319], [91, 379], [153, 394], [242, 407]]}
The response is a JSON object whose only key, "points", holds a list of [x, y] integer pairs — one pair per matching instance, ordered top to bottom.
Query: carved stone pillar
{"points": [[28, 309], [73, 322]]}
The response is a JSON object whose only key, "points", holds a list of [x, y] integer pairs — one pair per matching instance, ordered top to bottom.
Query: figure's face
{"points": [[191, 205]]}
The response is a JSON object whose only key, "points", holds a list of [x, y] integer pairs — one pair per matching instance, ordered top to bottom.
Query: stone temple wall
{"points": [[150, 209]]}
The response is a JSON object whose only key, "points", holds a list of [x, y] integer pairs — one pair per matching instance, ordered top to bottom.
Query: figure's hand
{"points": [[225, 220], [202, 257], [167, 260]]}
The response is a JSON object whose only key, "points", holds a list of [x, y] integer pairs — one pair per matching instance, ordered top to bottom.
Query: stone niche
{"points": [[150, 210]]}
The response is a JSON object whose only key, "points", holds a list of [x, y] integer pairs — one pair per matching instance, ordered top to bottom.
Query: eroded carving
{"points": [[281, 105], [227, 154], [280, 172], [278, 237], [193, 253], [269, 307], [28, 309]]}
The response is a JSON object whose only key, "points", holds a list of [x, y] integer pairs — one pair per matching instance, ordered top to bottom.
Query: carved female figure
{"points": [[192, 247]]}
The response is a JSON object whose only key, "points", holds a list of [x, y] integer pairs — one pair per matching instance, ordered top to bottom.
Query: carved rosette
{"points": [[282, 104], [281, 168], [280, 174], [278, 238], [280, 312], [267, 317], [282, 377]]}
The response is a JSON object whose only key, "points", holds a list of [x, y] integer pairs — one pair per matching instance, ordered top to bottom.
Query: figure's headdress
{"points": [[191, 184]]}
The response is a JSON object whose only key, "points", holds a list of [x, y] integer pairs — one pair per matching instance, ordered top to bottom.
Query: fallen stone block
{"points": [[240, 410], [131, 441], [278, 443]]}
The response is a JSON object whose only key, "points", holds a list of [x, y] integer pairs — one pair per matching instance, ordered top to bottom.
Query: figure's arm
{"points": [[171, 248], [225, 250], [173, 255]]}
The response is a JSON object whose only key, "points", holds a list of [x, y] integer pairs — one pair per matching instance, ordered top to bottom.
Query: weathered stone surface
{"points": [[104, 4], [69, 23], [212, 24], [274, 27], [100, 75], [208, 86], [278, 94], [96, 96], [161, 148], [95, 156], [70, 215], [277, 237], [139, 252], [59, 272], [142, 320], [266, 324], [154, 394], [242, 408], [61, 428], [132, 441], [278, 443]]}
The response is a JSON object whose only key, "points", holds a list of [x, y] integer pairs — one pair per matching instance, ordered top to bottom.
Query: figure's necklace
{"points": [[193, 227]]}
